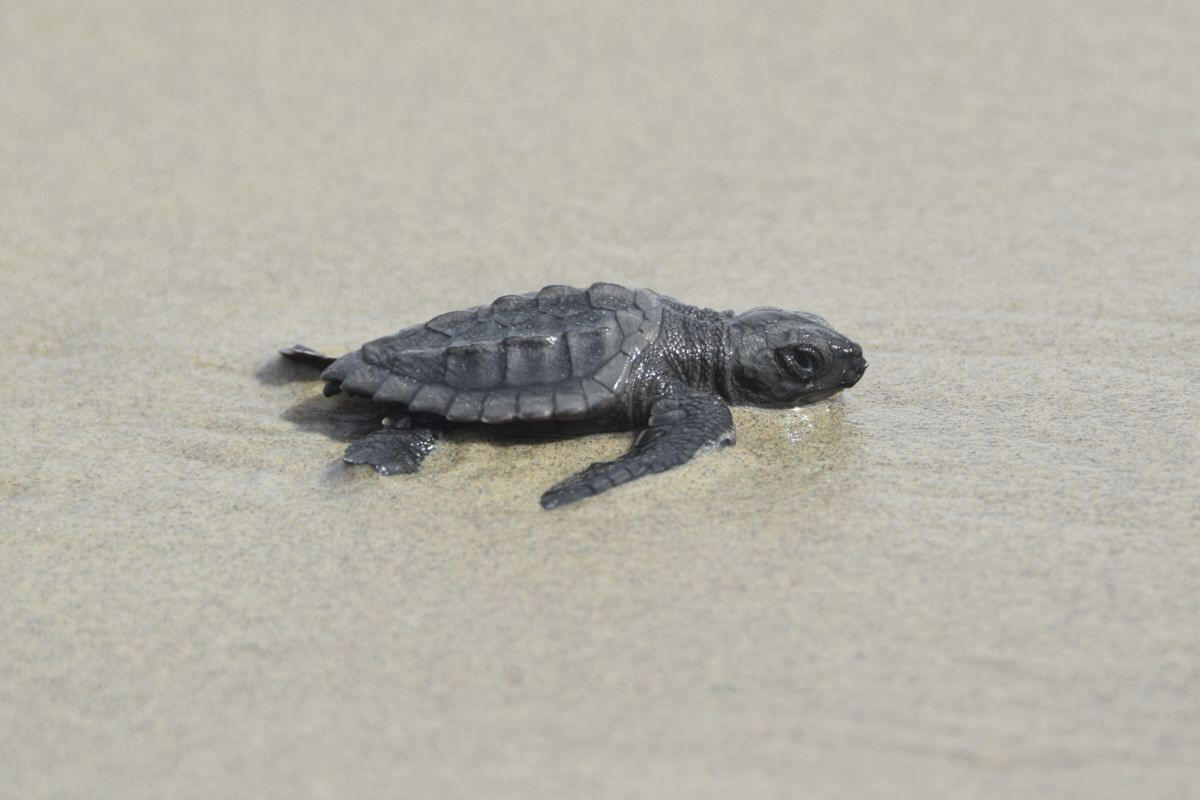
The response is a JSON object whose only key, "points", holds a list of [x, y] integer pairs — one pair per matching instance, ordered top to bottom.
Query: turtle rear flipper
{"points": [[306, 355], [680, 425], [393, 451]]}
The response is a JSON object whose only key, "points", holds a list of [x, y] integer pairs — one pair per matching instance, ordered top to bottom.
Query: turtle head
{"points": [[781, 359]]}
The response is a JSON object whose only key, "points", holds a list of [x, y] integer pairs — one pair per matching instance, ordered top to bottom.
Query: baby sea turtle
{"points": [[586, 360]]}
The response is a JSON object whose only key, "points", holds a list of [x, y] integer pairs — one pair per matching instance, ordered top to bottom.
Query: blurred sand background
{"points": [[975, 575]]}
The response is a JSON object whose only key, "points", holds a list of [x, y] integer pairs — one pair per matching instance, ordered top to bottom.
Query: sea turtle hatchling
{"points": [[585, 360]]}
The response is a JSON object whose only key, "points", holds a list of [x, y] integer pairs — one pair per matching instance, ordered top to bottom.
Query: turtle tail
{"points": [[306, 355], [348, 373]]}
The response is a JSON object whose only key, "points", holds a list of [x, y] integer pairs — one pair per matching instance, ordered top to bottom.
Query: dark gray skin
{"points": [[585, 360]]}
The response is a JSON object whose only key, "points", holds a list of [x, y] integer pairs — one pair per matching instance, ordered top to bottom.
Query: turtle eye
{"points": [[798, 362]]}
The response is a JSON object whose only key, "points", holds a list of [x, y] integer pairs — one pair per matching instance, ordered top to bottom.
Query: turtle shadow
{"points": [[279, 371], [344, 419]]}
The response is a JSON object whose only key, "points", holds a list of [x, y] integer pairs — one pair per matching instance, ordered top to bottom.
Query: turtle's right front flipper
{"points": [[681, 424]]}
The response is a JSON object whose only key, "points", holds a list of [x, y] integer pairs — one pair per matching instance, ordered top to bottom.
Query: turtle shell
{"points": [[558, 354]]}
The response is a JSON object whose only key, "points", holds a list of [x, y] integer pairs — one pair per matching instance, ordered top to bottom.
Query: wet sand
{"points": [[976, 574]]}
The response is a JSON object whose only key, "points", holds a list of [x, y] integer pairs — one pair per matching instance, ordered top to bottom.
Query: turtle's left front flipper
{"points": [[681, 424]]}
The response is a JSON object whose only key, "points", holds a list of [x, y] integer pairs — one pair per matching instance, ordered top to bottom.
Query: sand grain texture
{"points": [[976, 575]]}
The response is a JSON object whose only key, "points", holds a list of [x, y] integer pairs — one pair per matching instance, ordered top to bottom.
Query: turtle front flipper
{"points": [[681, 424], [393, 450]]}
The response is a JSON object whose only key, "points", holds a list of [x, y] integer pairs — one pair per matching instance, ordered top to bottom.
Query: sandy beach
{"points": [[975, 574]]}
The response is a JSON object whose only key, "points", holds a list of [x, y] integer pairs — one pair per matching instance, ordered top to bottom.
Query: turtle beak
{"points": [[854, 371]]}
